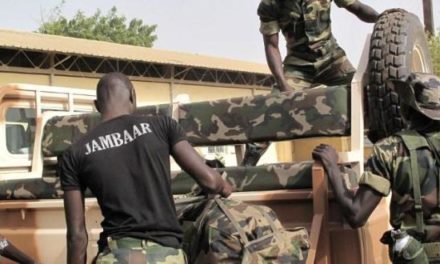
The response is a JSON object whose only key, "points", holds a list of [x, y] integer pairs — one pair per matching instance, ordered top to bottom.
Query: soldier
{"points": [[313, 56], [124, 161], [406, 164], [8, 250]]}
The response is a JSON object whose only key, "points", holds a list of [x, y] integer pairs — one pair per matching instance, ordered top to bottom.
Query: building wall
{"points": [[6, 77], [74, 82], [147, 92], [205, 93]]}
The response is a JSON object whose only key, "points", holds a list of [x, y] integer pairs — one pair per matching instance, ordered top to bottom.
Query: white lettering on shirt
{"points": [[145, 128], [136, 132], [127, 137], [117, 139], [106, 142], [95, 146], [88, 149]]}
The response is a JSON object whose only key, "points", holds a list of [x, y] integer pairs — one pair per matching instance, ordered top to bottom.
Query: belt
{"points": [[126, 242]]}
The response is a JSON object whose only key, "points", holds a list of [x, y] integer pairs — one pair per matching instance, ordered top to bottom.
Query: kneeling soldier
{"points": [[406, 164]]}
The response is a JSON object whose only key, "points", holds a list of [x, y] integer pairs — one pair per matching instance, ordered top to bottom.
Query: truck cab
{"points": [[23, 107]]}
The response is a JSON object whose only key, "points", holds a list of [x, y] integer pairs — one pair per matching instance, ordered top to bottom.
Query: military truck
{"points": [[38, 123]]}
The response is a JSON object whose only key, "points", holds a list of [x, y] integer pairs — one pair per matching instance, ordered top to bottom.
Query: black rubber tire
{"points": [[397, 38]]}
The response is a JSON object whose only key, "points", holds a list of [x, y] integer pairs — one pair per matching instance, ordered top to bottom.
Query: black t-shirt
{"points": [[125, 162]]}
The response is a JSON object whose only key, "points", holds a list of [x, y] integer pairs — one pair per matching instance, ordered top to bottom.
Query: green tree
{"points": [[111, 27], [434, 46]]}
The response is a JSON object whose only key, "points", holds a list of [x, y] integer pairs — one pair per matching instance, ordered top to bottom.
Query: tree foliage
{"points": [[111, 27], [434, 46]]}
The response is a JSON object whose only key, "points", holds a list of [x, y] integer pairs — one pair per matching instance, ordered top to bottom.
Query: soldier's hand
{"points": [[284, 87], [326, 154], [227, 189]]}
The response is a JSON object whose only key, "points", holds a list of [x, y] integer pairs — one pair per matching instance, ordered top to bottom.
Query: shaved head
{"points": [[113, 84], [115, 92], [115, 95]]}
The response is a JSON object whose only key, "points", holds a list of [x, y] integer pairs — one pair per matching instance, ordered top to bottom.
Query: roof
{"points": [[102, 49]]}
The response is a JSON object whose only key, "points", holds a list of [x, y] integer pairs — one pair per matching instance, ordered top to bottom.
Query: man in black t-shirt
{"points": [[125, 162]]}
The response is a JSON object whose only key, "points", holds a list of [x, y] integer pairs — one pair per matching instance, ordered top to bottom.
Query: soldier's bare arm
{"points": [[364, 12], [273, 57], [191, 162], [356, 208], [76, 227], [8, 250]]}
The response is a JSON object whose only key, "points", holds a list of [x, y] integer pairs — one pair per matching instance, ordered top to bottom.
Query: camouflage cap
{"points": [[421, 91]]}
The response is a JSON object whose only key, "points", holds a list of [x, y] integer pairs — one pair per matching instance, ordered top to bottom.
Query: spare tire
{"points": [[398, 47]]}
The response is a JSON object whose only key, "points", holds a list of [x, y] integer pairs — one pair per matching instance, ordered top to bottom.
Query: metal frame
{"points": [[20, 60], [40, 97], [356, 154]]}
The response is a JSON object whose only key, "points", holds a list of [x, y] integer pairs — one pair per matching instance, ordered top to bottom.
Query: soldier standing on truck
{"points": [[313, 56], [124, 161], [406, 164]]}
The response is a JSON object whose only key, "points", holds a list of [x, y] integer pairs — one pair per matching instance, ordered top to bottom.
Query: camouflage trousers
{"points": [[338, 72], [137, 251]]}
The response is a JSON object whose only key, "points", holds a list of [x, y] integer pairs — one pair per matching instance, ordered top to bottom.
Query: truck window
{"points": [[20, 130]]}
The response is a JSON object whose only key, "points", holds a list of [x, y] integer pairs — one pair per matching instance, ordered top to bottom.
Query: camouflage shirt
{"points": [[306, 25], [389, 169]]}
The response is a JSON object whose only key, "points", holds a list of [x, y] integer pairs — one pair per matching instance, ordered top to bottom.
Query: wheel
{"points": [[398, 47]]}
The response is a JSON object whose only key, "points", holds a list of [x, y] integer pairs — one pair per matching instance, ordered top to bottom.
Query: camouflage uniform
{"points": [[313, 56], [388, 169], [409, 172], [130, 250]]}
